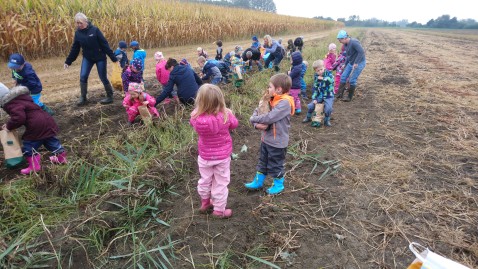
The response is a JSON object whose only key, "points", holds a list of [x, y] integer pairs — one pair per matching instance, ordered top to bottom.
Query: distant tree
{"points": [[264, 5], [322, 18]]}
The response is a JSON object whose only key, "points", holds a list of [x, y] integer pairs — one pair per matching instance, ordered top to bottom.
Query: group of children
{"points": [[211, 119]]}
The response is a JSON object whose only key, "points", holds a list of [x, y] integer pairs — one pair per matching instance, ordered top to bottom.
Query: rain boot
{"points": [[276, 68], [84, 90], [341, 90], [109, 95], [349, 97], [48, 110], [298, 111], [307, 118], [327, 122], [315, 124], [59, 158], [33, 164], [257, 182], [277, 187], [206, 205], [222, 214]]}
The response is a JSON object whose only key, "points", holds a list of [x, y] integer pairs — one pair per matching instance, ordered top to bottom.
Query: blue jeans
{"points": [[276, 58], [86, 66], [353, 75], [216, 80], [36, 99], [328, 107], [52, 144]]}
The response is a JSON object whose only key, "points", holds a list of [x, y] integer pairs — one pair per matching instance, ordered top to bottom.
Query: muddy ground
{"points": [[408, 149]]}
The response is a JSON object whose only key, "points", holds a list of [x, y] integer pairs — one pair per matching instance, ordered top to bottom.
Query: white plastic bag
{"points": [[431, 260]]}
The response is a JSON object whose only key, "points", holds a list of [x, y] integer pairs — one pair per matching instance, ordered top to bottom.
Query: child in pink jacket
{"points": [[330, 57], [339, 66], [162, 75], [136, 97], [212, 121]]}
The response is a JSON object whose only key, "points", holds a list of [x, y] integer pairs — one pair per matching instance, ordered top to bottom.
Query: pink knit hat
{"points": [[332, 46], [158, 56], [136, 87]]}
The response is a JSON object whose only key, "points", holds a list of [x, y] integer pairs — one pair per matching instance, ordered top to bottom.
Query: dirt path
{"points": [[407, 145]]}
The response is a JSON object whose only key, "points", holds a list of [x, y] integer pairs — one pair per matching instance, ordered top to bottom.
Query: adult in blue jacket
{"points": [[95, 48], [275, 51], [185, 79]]}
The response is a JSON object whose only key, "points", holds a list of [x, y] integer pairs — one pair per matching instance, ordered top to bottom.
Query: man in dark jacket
{"points": [[95, 48], [250, 56], [186, 80], [40, 127]]}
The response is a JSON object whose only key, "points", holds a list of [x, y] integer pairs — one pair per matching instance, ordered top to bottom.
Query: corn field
{"points": [[46, 28]]}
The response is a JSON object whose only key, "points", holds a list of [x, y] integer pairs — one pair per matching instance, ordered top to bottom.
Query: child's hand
{"points": [[321, 78], [315, 101], [145, 103], [261, 126], [4, 127]]}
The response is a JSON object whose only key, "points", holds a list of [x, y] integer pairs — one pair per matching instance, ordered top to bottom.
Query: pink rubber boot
{"points": [[59, 159], [33, 165], [206, 205], [222, 214]]}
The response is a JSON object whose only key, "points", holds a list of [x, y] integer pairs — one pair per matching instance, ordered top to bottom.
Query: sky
{"points": [[420, 11]]}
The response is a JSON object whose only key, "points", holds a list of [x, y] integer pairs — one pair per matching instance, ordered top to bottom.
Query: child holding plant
{"points": [[135, 98], [212, 121], [40, 127], [275, 136]]}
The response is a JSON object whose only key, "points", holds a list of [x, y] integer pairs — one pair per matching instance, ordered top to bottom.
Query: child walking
{"points": [[24, 75], [295, 75], [323, 93], [135, 98], [212, 121], [40, 127], [275, 136]]}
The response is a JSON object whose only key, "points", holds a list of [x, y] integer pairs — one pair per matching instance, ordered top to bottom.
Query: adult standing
{"points": [[95, 48], [275, 52], [354, 64], [186, 80]]}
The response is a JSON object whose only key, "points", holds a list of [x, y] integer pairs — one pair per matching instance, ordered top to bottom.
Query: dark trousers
{"points": [[86, 67], [52, 144], [271, 161]]}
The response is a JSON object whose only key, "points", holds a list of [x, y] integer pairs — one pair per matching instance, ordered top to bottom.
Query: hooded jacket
{"points": [[93, 43], [210, 70], [296, 70], [28, 78], [186, 80], [19, 106], [215, 142]]}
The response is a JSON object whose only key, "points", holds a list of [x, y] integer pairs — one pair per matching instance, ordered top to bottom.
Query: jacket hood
{"points": [[296, 58], [179, 70], [12, 94]]}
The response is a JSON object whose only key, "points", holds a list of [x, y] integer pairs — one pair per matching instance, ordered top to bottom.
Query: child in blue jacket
{"points": [[138, 53], [121, 55], [210, 70], [24, 75], [295, 75], [303, 85]]}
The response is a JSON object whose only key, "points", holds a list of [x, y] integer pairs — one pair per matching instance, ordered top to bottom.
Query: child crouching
{"points": [[322, 97], [135, 98], [212, 121], [40, 127], [275, 136]]}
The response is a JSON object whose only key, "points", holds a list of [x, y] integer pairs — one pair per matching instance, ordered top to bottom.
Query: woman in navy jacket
{"points": [[95, 48]]}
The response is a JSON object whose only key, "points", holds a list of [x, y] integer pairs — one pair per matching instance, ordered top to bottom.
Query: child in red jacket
{"points": [[40, 127]]}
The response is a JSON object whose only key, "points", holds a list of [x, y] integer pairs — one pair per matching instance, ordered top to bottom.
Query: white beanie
{"points": [[3, 90]]}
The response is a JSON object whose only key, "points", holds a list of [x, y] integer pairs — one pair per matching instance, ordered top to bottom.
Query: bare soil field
{"points": [[407, 144]]}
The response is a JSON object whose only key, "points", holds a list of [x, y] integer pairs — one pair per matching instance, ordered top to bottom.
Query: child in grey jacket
{"points": [[275, 136]]}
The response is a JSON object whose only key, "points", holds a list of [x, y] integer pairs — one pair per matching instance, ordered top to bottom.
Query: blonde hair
{"points": [[81, 17], [268, 38], [201, 59], [317, 64], [281, 81], [210, 100]]}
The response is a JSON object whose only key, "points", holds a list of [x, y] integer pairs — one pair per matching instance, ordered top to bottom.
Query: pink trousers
{"points": [[337, 82], [295, 94], [215, 176]]}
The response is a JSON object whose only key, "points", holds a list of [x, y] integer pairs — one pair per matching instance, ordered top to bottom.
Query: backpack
{"points": [[298, 42]]}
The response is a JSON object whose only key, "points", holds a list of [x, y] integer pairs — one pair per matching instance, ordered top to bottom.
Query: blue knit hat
{"points": [[254, 38], [134, 43], [122, 45]]}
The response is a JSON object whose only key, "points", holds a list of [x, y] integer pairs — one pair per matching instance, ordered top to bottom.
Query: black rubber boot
{"points": [[276, 68], [84, 90], [340, 91], [109, 95], [349, 97]]}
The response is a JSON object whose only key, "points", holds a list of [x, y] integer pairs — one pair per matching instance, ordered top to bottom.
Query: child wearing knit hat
{"points": [[121, 55], [132, 74], [136, 97]]}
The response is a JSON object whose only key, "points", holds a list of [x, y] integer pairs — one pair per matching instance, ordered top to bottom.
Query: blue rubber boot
{"points": [[298, 111], [307, 118], [327, 122], [257, 182], [277, 186]]}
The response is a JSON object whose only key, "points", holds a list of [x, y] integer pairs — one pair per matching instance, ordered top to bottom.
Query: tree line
{"points": [[443, 21]]}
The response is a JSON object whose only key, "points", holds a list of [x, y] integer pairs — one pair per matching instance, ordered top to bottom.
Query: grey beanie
{"points": [[3, 90]]}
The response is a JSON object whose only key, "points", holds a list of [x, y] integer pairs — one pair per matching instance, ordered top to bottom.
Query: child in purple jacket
{"points": [[132, 74], [212, 121], [40, 127]]}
